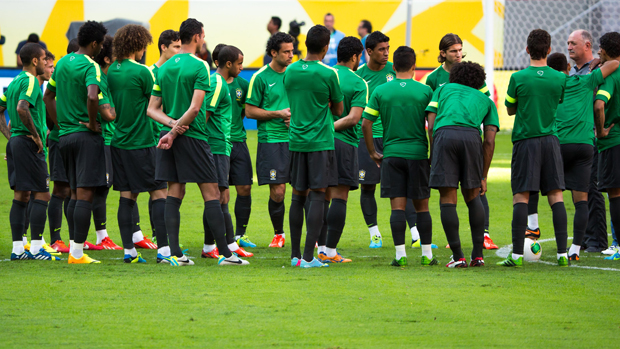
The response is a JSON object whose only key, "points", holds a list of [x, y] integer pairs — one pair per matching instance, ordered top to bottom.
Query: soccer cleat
{"points": [[532, 234], [244, 241], [278, 241], [376, 241], [146, 243], [108, 244], [417, 244], [489, 244], [60, 246], [89, 246], [448, 246], [27, 247], [611, 250], [52, 251], [242, 253], [215, 254], [43, 255], [23, 256], [573, 257], [614, 257], [137, 259], [336, 259], [84, 260], [172, 260], [232, 260], [184, 261], [295, 262], [401, 262], [428, 262], [477, 262], [509, 262], [563, 262], [461, 263], [314, 264]]}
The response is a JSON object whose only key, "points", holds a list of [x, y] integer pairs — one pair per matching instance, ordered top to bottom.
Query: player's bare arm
{"points": [[49, 98], [93, 108], [337, 108], [23, 110], [512, 110], [107, 112], [154, 112], [191, 113], [256, 113], [599, 119], [349, 121], [4, 128], [370, 145], [488, 148]]}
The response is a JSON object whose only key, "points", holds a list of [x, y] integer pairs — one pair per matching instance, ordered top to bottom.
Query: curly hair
{"points": [[91, 31], [129, 39], [276, 40], [610, 42], [445, 43], [538, 43], [349, 47], [106, 51], [49, 56], [557, 61], [468, 73]]}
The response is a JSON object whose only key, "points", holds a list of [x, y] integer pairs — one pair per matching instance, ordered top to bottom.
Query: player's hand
{"points": [[596, 62], [285, 114], [95, 128], [180, 129], [604, 132], [37, 141], [165, 142], [377, 158], [483, 186]]}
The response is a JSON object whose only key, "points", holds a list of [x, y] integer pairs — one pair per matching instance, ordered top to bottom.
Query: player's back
{"points": [[460, 105], [575, 116]]}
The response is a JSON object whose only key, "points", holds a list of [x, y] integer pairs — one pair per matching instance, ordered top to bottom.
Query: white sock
{"points": [[532, 221], [374, 231], [101, 234], [282, 235], [415, 235], [486, 235], [137, 236], [237, 237], [43, 239], [24, 240], [71, 243], [35, 246], [18, 247], [233, 247], [208, 248], [322, 249], [574, 249], [77, 250], [164, 251], [400, 251], [427, 251], [132, 252], [331, 252], [562, 255], [516, 256], [233, 258]]}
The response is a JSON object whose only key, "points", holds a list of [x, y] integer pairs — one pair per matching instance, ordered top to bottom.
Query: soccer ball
{"points": [[531, 250]]}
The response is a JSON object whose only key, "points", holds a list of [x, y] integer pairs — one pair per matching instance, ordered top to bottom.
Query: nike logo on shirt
{"points": [[272, 84]]}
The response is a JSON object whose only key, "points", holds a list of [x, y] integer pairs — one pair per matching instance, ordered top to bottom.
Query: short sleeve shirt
{"points": [[440, 77], [374, 80], [266, 91], [355, 91], [238, 92], [609, 92], [218, 103], [157, 127], [107, 128]]}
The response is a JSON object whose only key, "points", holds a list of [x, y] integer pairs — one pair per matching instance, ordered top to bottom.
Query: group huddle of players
{"points": [[325, 130]]}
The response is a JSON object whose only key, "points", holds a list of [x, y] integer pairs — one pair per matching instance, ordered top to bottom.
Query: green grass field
{"points": [[269, 303]]}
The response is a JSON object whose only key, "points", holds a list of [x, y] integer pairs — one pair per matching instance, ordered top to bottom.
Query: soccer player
{"points": [[376, 72], [76, 86], [355, 91], [533, 96], [315, 97], [177, 101], [267, 103], [455, 115], [606, 115], [25, 153], [404, 163]]}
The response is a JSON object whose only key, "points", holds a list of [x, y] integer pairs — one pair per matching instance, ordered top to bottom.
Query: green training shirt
{"points": [[440, 77], [375, 79], [70, 80], [131, 84], [175, 84], [310, 86], [238, 91], [355, 91], [267, 92], [536, 92], [609, 92], [218, 103], [401, 105], [460, 105], [156, 125], [107, 128]]}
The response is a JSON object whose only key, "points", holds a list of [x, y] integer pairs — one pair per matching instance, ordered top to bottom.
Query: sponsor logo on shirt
{"points": [[177, 60], [118, 66], [304, 66], [540, 72], [403, 84], [442, 84], [270, 85], [272, 175]]}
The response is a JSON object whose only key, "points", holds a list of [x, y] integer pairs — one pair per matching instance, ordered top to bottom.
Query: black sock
{"points": [[30, 204], [65, 204], [485, 205], [532, 205], [99, 207], [369, 207], [243, 208], [614, 211], [54, 212], [69, 212], [276, 212], [158, 214], [411, 214], [38, 216], [214, 216], [17, 217], [151, 218], [172, 218], [336, 218], [81, 219], [136, 219], [125, 221], [314, 222], [450, 222], [580, 222], [296, 223], [398, 223], [476, 224], [519, 224], [560, 225], [425, 228], [230, 230], [323, 235], [209, 239]]}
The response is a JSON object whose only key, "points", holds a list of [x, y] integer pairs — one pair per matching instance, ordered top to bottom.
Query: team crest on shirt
{"points": [[304, 66], [540, 72], [389, 77], [403, 84], [239, 94], [272, 175], [362, 175], [107, 178], [47, 182]]}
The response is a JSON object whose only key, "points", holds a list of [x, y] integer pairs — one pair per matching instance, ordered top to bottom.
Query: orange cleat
{"points": [[532, 234], [278, 241], [108, 244], [146, 244], [489, 244], [60, 246], [89, 246], [448, 246], [243, 253], [215, 254], [336, 259], [84, 260]]}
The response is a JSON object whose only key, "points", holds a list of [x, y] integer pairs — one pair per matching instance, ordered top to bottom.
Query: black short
{"points": [[83, 155], [457, 158], [577, 159], [189, 160], [273, 163], [537, 165], [348, 166], [26, 167], [222, 168], [609, 168], [57, 169], [109, 169], [134, 170], [313, 170], [241, 172], [369, 172], [405, 178]]}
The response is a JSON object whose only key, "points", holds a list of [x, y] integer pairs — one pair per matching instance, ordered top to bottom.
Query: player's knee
{"points": [[244, 190], [277, 192]]}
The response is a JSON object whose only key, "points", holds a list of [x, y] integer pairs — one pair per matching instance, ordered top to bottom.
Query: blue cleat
{"points": [[244, 241], [376, 242], [416, 244], [43, 255], [23, 256], [614, 257], [137, 259], [172, 260], [295, 262], [314, 264]]}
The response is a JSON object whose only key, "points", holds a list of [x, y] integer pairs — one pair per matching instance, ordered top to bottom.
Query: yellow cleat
{"points": [[27, 247], [49, 249], [336, 259], [84, 260]]}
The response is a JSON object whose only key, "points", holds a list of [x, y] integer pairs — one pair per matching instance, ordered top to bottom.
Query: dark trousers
{"points": [[596, 232]]}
